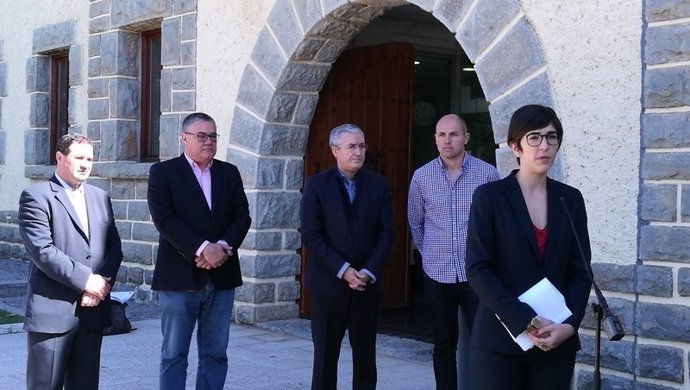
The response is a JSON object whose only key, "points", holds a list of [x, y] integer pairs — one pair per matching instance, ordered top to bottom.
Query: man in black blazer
{"points": [[200, 209], [346, 220], [70, 234]]}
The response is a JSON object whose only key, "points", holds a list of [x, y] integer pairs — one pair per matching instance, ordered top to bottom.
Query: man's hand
{"points": [[214, 254], [202, 263], [353, 279], [98, 286], [89, 300]]}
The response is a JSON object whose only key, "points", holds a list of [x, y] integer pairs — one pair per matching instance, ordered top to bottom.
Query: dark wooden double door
{"points": [[371, 87]]}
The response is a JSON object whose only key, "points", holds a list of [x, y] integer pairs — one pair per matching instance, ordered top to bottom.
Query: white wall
{"points": [[593, 54]]}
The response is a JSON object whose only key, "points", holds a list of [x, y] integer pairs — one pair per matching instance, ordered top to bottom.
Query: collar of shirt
{"points": [[465, 162], [195, 166], [68, 189]]}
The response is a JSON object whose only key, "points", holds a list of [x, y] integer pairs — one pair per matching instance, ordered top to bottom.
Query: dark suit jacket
{"points": [[183, 219], [335, 232], [62, 257], [503, 261]]}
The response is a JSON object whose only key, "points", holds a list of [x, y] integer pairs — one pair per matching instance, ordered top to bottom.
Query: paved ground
{"points": [[273, 355]]}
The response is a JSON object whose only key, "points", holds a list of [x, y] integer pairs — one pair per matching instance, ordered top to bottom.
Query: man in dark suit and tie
{"points": [[199, 207], [346, 220], [70, 234]]}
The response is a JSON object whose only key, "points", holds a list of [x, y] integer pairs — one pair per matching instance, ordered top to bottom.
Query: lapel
{"points": [[335, 183], [216, 186], [195, 191], [64, 200], [517, 203], [554, 220]]}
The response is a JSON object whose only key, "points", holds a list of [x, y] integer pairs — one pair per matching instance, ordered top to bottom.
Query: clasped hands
{"points": [[213, 256], [356, 280], [97, 288], [550, 335]]}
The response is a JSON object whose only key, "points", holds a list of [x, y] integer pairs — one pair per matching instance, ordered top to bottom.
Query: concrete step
{"points": [[12, 288]]}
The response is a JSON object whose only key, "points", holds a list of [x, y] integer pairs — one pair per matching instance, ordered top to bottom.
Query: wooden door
{"points": [[371, 87]]}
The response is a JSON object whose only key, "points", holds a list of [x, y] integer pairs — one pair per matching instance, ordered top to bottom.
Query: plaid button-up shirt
{"points": [[438, 211]]}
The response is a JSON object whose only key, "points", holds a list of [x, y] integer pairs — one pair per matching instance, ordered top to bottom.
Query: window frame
{"points": [[59, 101], [148, 132]]}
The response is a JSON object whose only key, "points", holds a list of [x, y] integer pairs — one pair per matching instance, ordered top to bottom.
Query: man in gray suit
{"points": [[69, 232]]}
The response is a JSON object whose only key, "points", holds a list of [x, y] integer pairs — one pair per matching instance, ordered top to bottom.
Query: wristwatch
{"points": [[534, 324]]}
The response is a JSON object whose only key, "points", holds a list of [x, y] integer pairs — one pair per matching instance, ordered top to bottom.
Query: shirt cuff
{"points": [[201, 248], [343, 269], [371, 276]]}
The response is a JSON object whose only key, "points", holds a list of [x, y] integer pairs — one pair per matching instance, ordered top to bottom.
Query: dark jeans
{"points": [[444, 300]]}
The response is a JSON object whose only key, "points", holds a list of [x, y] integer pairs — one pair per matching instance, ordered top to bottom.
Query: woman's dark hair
{"points": [[529, 118]]}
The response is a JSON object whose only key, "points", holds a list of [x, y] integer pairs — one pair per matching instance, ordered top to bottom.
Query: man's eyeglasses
{"points": [[202, 137], [535, 139], [352, 147]]}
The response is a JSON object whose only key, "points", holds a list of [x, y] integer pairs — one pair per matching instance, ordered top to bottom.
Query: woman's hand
{"points": [[551, 335]]}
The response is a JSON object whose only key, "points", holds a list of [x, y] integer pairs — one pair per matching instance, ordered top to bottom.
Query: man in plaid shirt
{"points": [[438, 210]]}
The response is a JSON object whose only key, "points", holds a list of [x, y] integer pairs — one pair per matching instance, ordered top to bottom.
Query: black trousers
{"points": [[445, 299], [330, 317], [72, 359], [533, 370]]}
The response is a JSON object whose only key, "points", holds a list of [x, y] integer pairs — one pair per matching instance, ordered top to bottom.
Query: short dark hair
{"points": [[195, 117], [532, 117], [67, 140]]}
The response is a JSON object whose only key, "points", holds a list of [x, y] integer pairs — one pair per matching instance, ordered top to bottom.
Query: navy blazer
{"points": [[183, 219], [335, 231], [63, 257], [503, 260]]}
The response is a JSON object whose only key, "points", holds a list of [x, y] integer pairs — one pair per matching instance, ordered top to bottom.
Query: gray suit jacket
{"points": [[63, 257]]}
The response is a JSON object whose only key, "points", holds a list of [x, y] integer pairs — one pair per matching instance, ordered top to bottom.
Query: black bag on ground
{"points": [[120, 324]]}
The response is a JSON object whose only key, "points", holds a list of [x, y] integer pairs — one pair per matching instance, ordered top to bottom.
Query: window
{"points": [[150, 94], [59, 98]]}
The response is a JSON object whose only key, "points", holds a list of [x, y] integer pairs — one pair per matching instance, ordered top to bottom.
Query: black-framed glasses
{"points": [[202, 137], [535, 139], [352, 147]]}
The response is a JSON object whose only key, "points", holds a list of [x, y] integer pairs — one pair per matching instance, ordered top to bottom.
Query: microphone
{"points": [[612, 325]]}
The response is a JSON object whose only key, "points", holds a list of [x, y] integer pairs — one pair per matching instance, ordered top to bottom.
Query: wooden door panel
{"points": [[371, 88]]}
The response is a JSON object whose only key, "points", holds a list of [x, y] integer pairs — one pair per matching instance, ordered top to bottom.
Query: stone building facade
{"points": [[616, 72]]}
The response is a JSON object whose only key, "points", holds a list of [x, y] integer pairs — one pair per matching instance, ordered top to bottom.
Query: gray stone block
{"points": [[183, 6], [98, 8], [661, 10], [127, 12], [450, 12], [308, 13], [283, 22], [99, 24], [483, 24], [188, 28], [336, 29], [53, 37], [170, 42], [667, 44], [94, 45], [330, 51], [188, 53], [119, 54], [268, 57], [75, 61], [510, 61], [95, 66], [38, 74], [303, 77], [184, 78], [3, 79], [98, 88], [666, 88], [166, 90], [255, 93], [124, 98], [184, 101], [282, 107], [39, 109], [246, 130], [668, 130], [170, 135], [118, 140], [284, 140], [3, 146], [36, 147], [505, 161], [665, 166], [122, 170], [294, 173], [122, 189], [658, 202], [685, 203], [120, 209], [278, 210], [138, 211], [124, 229], [144, 232], [10, 234], [292, 240], [262, 241], [665, 243], [137, 252], [266, 266], [135, 275], [614, 277], [148, 279], [654, 280], [684, 282], [288, 290], [255, 292], [623, 308], [276, 312], [663, 321], [616, 355], [660, 362], [608, 382], [639, 385]]}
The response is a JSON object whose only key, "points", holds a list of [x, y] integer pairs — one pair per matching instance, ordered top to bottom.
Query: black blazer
{"points": [[181, 215], [335, 232], [503, 260]]}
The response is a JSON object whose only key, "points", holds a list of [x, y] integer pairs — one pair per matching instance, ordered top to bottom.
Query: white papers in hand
{"points": [[545, 299]]}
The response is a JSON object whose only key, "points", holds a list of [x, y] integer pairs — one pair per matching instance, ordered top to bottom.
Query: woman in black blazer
{"points": [[518, 234]]}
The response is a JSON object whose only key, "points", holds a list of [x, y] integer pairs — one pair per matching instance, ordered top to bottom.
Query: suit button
{"points": [[88, 257]]}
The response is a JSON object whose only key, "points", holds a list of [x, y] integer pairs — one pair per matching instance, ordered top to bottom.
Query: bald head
{"points": [[451, 122], [451, 137]]}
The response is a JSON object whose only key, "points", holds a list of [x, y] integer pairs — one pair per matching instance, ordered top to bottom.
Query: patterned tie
{"points": [[351, 190]]}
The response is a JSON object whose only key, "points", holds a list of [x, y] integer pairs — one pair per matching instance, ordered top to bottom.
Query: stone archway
{"points": [[278, 94]]}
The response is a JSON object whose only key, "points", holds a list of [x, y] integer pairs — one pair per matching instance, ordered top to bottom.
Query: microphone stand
{"points": [[611, 323]]}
